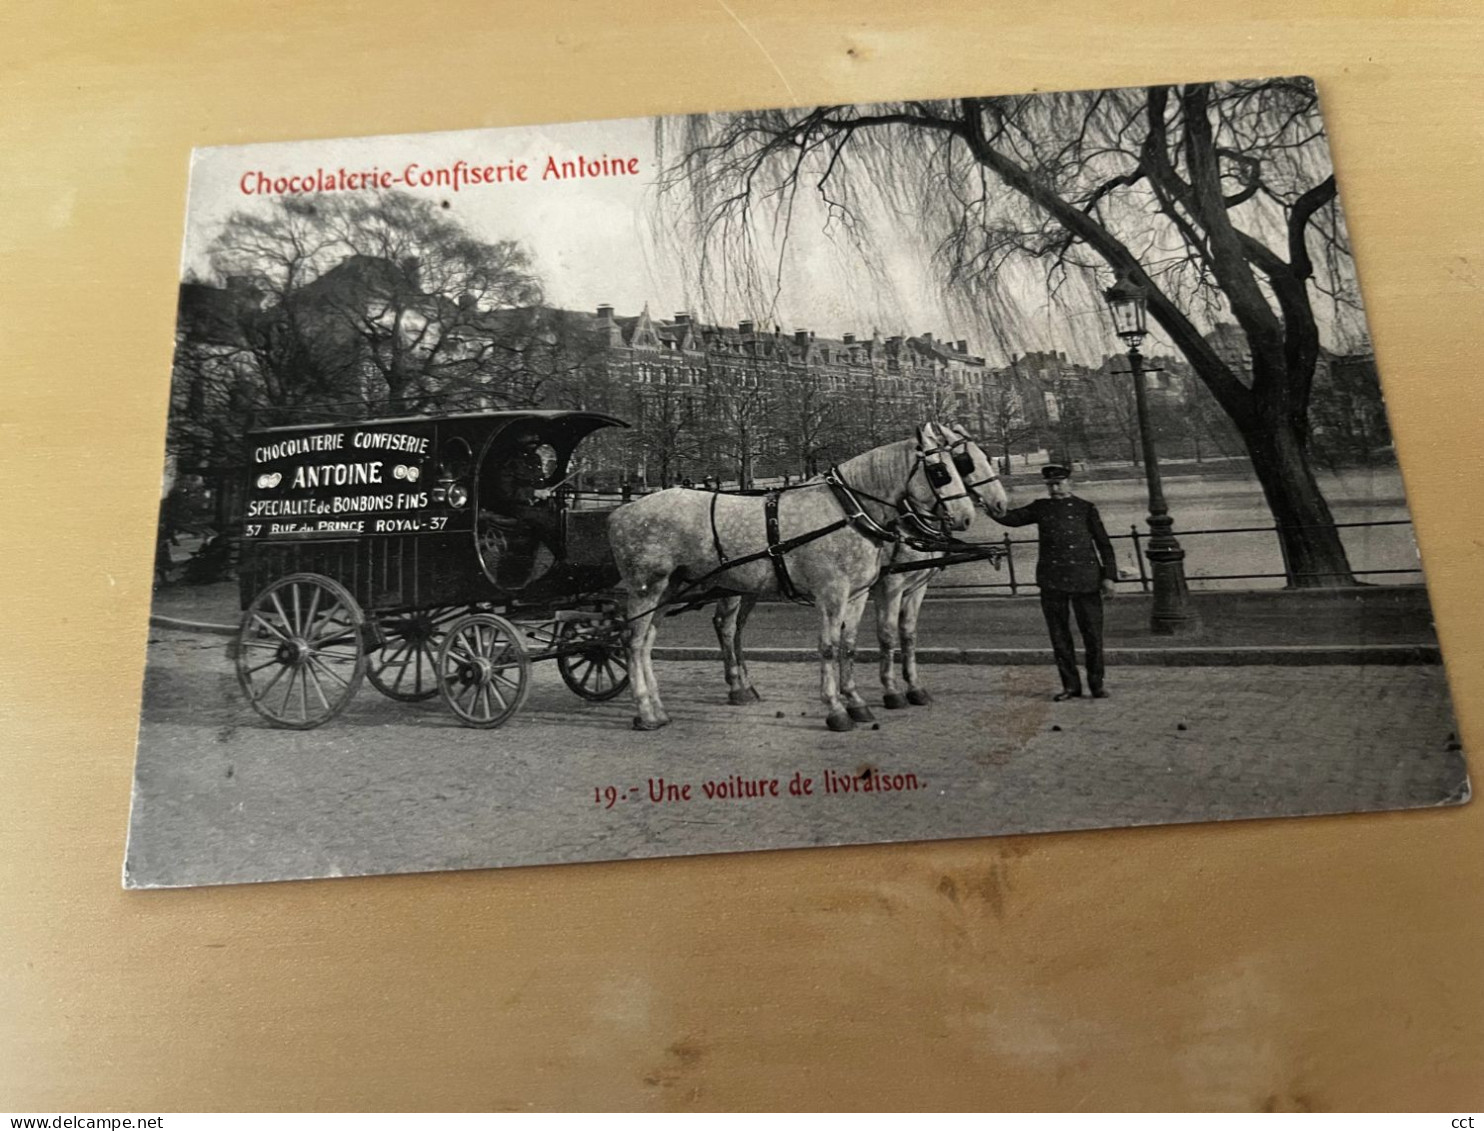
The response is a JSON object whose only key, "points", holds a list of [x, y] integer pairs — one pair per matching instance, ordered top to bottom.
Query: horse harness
{"points": [[855, 515], [778, 548]]}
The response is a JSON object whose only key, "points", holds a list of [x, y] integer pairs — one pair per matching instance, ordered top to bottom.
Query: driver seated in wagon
{"points": [[520, 527]]}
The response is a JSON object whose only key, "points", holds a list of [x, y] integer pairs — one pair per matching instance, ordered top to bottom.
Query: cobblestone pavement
{"points": [[390, 787]]}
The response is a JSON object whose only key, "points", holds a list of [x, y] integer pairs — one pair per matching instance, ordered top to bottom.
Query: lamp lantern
{"points": [[1129, 304]]}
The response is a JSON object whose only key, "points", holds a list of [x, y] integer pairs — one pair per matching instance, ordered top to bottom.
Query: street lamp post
{"points": [[1171, 614]]}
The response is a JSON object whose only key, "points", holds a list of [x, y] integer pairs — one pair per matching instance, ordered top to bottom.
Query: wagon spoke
{"points": [[313, 607], [282, 616], [299, 623], [271, 627], [332, 630], [390, 658], [264, 664], [605, 666], [324, 667], [283, 670], [318, 688], [471, 690], [288, 692], [494, 693], [304, 694]]}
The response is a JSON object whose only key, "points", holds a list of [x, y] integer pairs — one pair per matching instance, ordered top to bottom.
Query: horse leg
{"points": [[887, 594], [744, 610], [641, 611], [729, 619], [724, 620], [917, 695], [855, 706], [836, 716], [662, 717]]}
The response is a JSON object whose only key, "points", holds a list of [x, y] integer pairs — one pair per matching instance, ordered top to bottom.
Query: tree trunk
{"points": [[1314, 556]]}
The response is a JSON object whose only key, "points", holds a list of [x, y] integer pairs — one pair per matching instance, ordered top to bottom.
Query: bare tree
{"points": [[1219, 200], [426, 314], [739, 410], [1001, 417], [807, 421], [669, 425]]}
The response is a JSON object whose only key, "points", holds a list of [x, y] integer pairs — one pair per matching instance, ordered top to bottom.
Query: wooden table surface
{"points": [[1329, 963]]}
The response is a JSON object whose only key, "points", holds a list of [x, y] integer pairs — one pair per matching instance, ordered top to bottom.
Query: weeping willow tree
{"points": [[1218, 199]]}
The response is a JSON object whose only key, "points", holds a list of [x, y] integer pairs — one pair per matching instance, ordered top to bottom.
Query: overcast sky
{"points": [[604, 240], [596, 241]]}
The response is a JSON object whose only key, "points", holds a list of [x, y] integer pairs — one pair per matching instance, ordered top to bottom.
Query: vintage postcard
{"points": [[752, 480]]}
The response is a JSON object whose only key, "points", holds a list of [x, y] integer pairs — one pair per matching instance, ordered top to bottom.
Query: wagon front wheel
{"points": [[300, 656], [483, 670], [600, 670]]}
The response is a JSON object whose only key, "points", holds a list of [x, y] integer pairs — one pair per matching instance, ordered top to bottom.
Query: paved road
{"points": [[395, 787]]}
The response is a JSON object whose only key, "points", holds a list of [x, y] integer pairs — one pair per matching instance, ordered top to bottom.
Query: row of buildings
{"points": [[737, 402]]}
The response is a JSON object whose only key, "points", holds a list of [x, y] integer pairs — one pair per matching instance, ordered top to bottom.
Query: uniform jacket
{"points": [[1076, 553]]}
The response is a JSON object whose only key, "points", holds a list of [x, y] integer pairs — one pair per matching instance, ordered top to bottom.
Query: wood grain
{"points": [[1331, 963]]}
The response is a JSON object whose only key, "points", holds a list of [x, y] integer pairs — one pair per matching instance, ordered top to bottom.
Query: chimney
{"points": [[605, 313], [682, 318], [745, 326], [928, 338], [801, 339], [849, 339], [962, 345]]}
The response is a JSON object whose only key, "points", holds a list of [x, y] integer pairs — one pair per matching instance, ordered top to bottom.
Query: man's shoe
{"points": [[1099, 693], [1064, 695]]}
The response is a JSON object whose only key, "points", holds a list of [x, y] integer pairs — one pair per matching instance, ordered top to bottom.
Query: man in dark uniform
{"points": [[1077, 569]]}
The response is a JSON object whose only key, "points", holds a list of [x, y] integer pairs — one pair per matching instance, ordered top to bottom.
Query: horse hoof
{"points": [[918, 697], [739, 698], [895, 701], [861, 714], [840, 722], [644, 724]]}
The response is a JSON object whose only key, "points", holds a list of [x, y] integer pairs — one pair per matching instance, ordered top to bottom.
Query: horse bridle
{"points": [[963, 463], [938, 475]]}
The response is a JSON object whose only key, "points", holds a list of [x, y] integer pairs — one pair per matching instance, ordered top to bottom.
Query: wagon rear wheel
{"points": [[299, 651], [406, 666], [483, 670], [600, 671]]}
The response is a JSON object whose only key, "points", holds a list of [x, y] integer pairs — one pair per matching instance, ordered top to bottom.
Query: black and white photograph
{"points": [[776, 479]]}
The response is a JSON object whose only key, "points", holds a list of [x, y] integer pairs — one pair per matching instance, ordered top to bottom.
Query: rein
{"points": [[929, 535]]}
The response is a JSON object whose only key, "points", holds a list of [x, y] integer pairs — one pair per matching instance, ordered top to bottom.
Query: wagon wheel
{"points": [[299, 651], [406, 666], [483, 670], [600, 671]]}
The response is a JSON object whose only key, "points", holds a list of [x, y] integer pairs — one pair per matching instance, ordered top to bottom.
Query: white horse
{"points": [[825, 541], [898, 595]]}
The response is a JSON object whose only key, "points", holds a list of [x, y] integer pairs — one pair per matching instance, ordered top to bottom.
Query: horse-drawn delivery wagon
{"points": [[428, 555]]}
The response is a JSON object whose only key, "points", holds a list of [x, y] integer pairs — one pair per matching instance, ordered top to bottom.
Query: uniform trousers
{"points": [[1088, 607]]}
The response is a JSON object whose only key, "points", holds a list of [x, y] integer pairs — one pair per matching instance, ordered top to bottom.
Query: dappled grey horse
{"points": [[825, 541], [898, 593]]}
